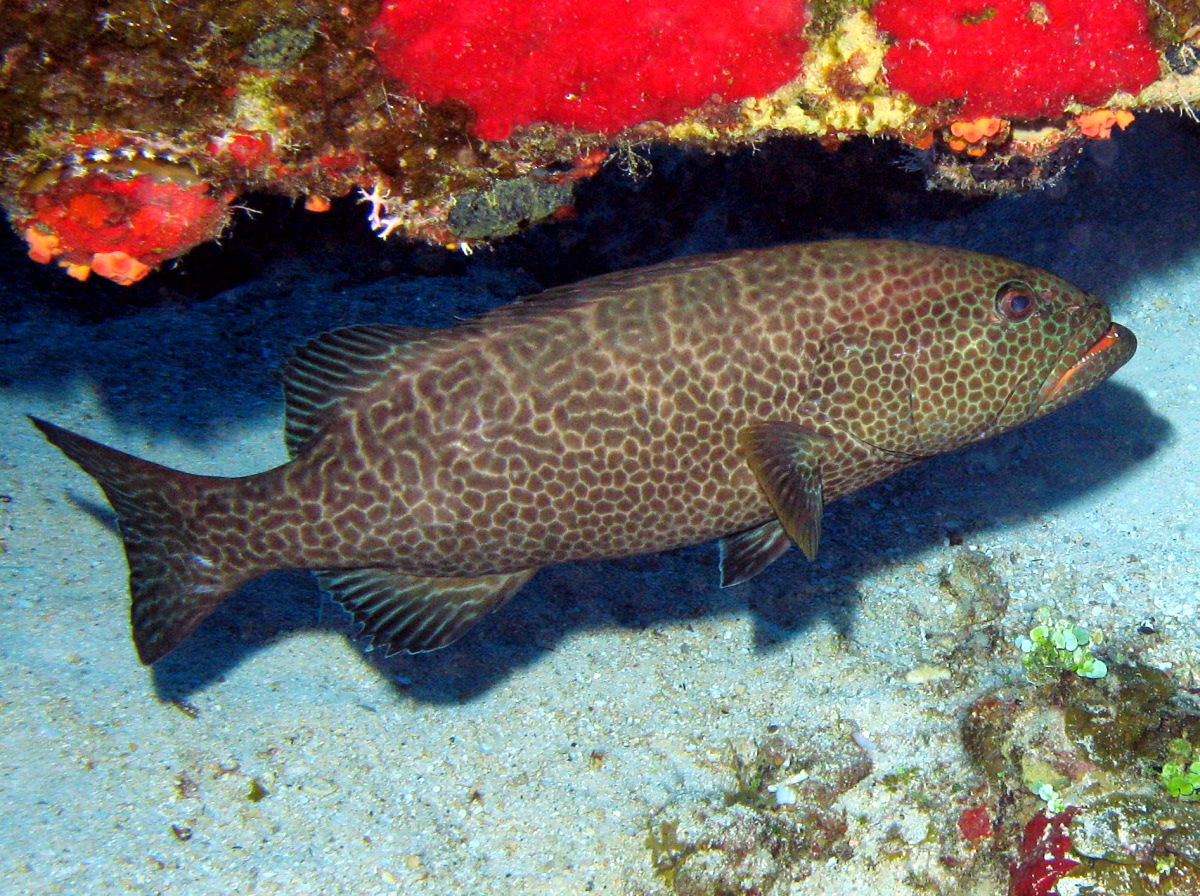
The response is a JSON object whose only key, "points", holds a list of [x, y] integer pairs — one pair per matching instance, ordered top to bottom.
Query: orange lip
{"points": [[1103, 344]]}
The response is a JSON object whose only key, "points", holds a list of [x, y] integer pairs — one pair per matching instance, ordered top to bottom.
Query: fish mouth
{"points": [[1099, 361]]}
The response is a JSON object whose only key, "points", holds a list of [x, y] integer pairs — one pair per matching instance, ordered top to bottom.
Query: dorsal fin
{"points": [[627, 279], [329, 368]]}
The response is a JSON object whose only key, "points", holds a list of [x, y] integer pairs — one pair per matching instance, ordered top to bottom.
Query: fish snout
{"points": [[1099, 361]]}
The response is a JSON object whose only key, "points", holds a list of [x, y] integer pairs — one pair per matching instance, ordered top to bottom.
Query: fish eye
{"points": [[1015, 301]]}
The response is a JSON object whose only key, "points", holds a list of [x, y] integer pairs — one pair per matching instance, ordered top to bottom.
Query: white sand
{"points": [[530, 757]]}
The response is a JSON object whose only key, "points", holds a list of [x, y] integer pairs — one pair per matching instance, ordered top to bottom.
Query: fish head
{"points": [[961, 347]]}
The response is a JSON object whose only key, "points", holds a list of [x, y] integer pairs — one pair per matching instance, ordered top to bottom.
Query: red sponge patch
{"points": [[1017, 58], [576, 63], [146, 217]]}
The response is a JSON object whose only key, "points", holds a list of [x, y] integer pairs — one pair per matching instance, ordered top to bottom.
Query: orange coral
{"points": [[1099, 122], [974, 137], [316, 203], [43, 246], [119, 267]]}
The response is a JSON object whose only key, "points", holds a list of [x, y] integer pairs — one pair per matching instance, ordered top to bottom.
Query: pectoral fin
{"points": [[786, 460], [417, 613]]}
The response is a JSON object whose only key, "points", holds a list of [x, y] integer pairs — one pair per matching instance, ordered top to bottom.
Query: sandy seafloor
{"points": [[531, 756]]}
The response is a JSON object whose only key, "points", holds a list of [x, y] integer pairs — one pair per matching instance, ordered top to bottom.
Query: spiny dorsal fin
{"points": [[628, 279], [329, 368], [786, 460], [746, 554], [417, 613]]}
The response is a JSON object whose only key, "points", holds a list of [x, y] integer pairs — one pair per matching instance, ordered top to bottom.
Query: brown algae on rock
{"points": [[971, 579], [1095, 750], [778, 817]]}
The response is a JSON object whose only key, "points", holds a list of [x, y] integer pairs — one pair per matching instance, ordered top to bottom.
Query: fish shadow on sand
{"points": [[1039, 469]]}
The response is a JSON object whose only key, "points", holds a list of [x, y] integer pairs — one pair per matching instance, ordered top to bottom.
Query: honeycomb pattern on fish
{"points": [[721, 396], [604, 422]]}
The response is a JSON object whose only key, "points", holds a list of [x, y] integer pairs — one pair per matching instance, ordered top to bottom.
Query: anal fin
{"points": [[746, 554], [399, 611]]}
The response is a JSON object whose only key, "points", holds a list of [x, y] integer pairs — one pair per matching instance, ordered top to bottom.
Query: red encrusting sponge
{"points": [[1020, 59], [599, 67], [120, 225]]}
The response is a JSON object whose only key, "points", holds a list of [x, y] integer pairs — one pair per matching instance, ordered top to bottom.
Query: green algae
{"points": [[281, 47], [507, 207], [1057, 645], [1182, 776], [257, 791]]}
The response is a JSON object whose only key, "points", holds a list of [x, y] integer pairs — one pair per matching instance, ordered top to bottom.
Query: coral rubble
{"points": [[1077, 769], [779, 819]]}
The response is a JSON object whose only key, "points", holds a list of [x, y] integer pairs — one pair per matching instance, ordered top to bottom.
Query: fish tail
{"points": [[174, 580]]}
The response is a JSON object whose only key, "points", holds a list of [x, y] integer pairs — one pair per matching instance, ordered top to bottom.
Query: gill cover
{"points": [[952, 362]]}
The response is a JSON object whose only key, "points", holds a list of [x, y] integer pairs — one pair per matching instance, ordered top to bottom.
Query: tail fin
{"points": [[172, 585]]}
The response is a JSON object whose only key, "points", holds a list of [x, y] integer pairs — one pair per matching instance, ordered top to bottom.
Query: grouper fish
{"points": [[728, 396]]}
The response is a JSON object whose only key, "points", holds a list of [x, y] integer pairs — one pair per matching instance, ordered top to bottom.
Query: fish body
{"points": [[723, 396]]}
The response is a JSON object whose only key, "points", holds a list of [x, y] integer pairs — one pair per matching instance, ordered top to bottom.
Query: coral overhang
{"points": [[130, 127]]}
